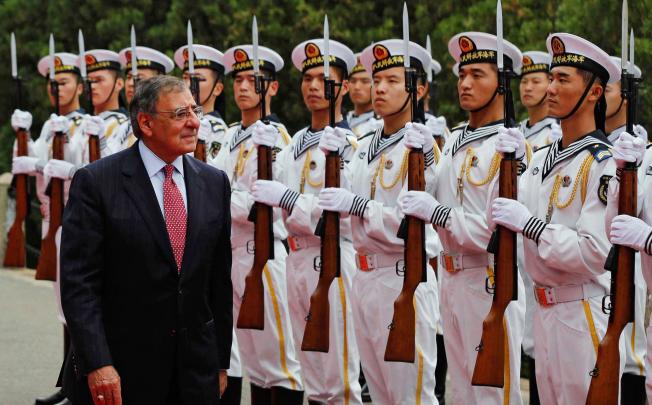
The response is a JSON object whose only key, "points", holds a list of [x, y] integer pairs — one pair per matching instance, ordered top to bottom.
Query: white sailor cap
{"points": [[479, 47], [571, 50], [309, 54], [389, 54], [204, 57], [147, 58], [240, 58], [98, 59], [535, 61], [64, 62], [435, 66], [359, 67], [635, 70]]}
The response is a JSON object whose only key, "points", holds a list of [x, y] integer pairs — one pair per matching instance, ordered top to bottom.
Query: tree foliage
{"points": [[283, 24]]}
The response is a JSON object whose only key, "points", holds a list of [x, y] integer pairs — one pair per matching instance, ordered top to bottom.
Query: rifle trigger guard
{"points": [[251, 247], [316, 263], [400, 268], [488, 287], [606, 308]]}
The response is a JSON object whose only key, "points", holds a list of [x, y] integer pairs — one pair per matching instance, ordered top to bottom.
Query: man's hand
{"points": [[21, 120], [264, 135], [418, 136], [332, 140], [510, 140], [628, 149], [59, 169], [222, 379], [104, 384]]}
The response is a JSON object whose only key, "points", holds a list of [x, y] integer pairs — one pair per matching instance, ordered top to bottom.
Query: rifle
{"points": [[93, 140], [200, 149], [15, 253], [47, 264], [252, 309], [316, 334], [401, 345], [490, 363], [605, 377]]}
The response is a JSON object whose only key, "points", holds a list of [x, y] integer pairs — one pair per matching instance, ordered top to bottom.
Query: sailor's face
{"points": [[142, 74], [104, 83], [207, 84], [476, 85], [70, 87], [312, 87], [360, 88], [533, 88], [244, 90], [565, 90], [388, 93], [614, 98]]}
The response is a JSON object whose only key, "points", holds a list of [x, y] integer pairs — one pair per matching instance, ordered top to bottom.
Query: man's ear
{"points": [[119, 84], [219, 88], [273, 88], [421, 91], [596, 92], [145, 123]]}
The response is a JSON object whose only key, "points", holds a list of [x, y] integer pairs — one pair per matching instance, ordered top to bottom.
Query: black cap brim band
{"points": [[484, 56], [319, 61], [580, 62], [205, 63], [107, 64], [147, 64]]}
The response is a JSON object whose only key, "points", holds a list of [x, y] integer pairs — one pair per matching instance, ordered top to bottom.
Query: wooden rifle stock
{"points": [[93, 148], [200, 150], [15, 253], [47, 263], [252, 309], [317, 331], [401, 344], [490, 363], [606, 374]]}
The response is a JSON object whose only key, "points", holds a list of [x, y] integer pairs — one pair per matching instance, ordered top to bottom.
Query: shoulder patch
{"points": [[600, 151], [603, 187]]}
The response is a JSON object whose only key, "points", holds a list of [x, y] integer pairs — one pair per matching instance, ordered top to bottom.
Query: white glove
{"points": [[21, 120], [58, 123], [94, 126], [437, 126], [205, 130], [555, 132], [640, 132], [264, 135], [418, 136], [332, 140], [510, 140], [628, 149], [24, 165], [59, 169], [268, 192], [342, 201], [418, 204], [510, 213], [629, 231]]}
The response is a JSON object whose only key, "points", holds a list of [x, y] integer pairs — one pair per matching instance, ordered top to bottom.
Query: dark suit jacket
{"points": [[123, 299]]}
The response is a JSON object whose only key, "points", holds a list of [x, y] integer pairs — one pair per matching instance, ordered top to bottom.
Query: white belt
{"points": [[301, 242], [377, 261], [458, 262], [547, 296]]}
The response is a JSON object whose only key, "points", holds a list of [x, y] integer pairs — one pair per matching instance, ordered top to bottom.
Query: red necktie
{"points": [[175, 215]]}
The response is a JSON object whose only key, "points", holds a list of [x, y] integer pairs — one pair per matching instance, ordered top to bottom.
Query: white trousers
{"points": [[464, 306], [566, 339], [268, 356], [330, 378], [394, 383]]}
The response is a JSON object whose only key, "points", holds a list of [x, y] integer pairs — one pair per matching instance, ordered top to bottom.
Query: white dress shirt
{"points": [[154, 166]]}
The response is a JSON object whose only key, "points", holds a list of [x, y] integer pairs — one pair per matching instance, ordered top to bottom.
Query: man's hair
{"points": [[587, 76], [147, 94]]}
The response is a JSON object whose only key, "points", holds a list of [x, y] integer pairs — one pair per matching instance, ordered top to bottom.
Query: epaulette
{"points": [[120, 118], [234, 124], [367, 134], [600, 151]]}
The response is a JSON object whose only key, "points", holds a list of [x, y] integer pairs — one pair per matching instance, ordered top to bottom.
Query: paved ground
{"points": [[31, 340]]}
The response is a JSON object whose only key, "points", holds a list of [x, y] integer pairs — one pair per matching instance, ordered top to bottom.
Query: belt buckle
{"points": [[294, 246], [364, 262], [449, 263], [541, 296]]}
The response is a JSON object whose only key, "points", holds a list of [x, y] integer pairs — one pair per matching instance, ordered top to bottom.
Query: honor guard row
{"points": [[493, 234]]}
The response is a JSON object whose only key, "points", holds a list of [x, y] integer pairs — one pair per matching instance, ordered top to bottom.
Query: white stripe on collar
{"points": [[469, 136]]}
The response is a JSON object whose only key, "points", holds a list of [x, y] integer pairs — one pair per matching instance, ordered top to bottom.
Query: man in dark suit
{"points": [[145, 264]]}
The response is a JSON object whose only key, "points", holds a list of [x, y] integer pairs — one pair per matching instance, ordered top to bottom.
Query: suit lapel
{"points": [[139, 188], [194, 192]]}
